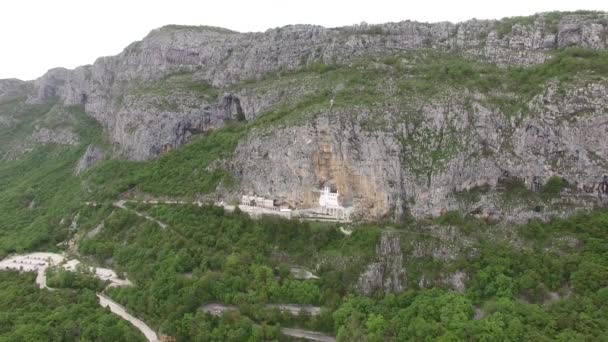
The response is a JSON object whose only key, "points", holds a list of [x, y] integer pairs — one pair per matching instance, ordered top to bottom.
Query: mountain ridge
{"points": [[392, 115]]}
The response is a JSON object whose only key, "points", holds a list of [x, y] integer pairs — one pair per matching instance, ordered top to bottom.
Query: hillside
{"points": [[469, 161]]}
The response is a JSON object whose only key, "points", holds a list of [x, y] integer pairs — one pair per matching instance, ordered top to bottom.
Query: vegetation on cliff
{"points": [[540, 280]]}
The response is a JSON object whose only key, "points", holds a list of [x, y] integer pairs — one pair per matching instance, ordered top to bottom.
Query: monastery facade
{"points": [[329, 205]]}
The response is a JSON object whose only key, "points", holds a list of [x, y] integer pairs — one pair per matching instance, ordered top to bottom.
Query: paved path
{"points": [[121, 204], [254, 212], [346, 232], [39, 262], [300, 273], [41, 278], [116, 308], [218, 309], [296, 309], [307, 334]]}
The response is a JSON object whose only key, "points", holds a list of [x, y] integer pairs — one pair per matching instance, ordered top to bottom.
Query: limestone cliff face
{"points": [[222, 58], [11, 89], [457, 143], [386, 157], [296, 161], [386, 274]]}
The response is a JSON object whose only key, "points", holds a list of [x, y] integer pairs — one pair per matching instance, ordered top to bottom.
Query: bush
{"points": [[553, 187]]}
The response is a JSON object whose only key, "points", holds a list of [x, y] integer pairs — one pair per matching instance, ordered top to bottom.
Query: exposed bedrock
{"points": [[221, 58], [456, 143], [391, 156], [386, 274]]}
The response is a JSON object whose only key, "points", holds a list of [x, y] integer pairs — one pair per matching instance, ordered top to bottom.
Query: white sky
{"points": [[36, 35]]}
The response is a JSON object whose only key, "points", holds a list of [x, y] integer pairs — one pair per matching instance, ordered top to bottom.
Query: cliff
{"points": [[110, 89], [401, 118]]}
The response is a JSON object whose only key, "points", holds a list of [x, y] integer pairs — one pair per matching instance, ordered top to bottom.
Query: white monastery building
{"points": [[329, 199], [330, 205]]}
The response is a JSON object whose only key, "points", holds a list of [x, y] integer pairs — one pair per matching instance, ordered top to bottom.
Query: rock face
{"points": [[221, 58], [11, 89], [145, 127], [92, 156], [387, 157], [298, 160], [389, 170], [387, 273], [457, 281]]}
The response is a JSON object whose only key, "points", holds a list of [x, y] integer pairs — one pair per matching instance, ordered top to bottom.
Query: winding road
{"points": [[121, 204], [39, 262], [118, 309], [307, 334]]}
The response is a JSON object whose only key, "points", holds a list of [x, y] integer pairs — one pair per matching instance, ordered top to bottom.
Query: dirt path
{"points": [[121, 204], [39, 262], [300, 273], [116, 308], [218, 309], [295, 309], [307, 334]]}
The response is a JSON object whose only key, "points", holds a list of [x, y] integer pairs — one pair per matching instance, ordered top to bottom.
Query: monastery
{"points": [[328, 201], [329, 206]]}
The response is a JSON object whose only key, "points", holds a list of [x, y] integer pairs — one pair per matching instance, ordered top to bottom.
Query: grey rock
{"points": [[223, 58], [181, 81], [50, 86], [11, 89], [91, 156], [389, 170], [387, 273], [456, 281]]}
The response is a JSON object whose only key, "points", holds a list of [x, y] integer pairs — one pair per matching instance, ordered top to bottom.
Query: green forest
{"points": [[549, 289], [28, 313]]}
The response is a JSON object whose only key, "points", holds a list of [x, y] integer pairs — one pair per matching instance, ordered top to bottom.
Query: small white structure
{"points": [[329, 199], [257, 201], [330, 205], [329, 208]]}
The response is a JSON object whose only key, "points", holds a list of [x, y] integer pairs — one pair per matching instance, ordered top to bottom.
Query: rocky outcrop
{"points": [[222, 57], [51, 86], [11, 89], [149, 119], [91, 156], [386, 274], [456, 281]]}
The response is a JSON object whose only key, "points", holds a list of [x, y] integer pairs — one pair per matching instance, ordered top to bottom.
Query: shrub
{"points": [[553, 187]]}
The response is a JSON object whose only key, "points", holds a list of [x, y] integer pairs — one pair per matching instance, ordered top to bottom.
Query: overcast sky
{"points": [[37, 35]]}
